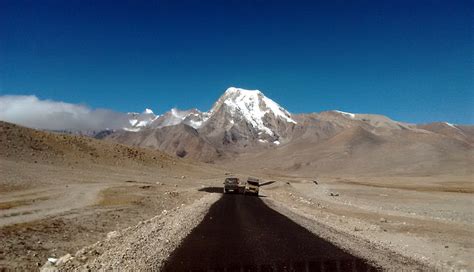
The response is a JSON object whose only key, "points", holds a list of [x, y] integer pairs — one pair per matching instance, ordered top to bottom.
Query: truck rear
{"points": [[232, 185], [252, 187]]}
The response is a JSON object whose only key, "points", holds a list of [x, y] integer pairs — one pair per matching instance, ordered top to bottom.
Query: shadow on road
{"points": [[267, 183], [214, 190], [219, 190]]}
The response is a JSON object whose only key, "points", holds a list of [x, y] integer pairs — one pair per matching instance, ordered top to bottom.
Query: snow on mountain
{"points": [[252, 104], [253, 107], [348, 114], [174, 117], [193, 118], [147, 119], [196, 119], [139, 121], [450, 125]]}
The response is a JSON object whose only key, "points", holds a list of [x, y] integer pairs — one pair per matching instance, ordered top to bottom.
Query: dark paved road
{"points": [[241, 233]]}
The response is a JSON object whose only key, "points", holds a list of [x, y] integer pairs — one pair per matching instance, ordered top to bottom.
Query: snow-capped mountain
{"points": [[251, 106], [248, 112], [247, 116], [193, 118], [148, 120], [139, 121]]}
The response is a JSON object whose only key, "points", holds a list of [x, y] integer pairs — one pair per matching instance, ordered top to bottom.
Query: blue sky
{"points": [[410, 60]]}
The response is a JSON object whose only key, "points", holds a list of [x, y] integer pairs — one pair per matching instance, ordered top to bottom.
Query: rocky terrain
{"points": [[422, 219]]}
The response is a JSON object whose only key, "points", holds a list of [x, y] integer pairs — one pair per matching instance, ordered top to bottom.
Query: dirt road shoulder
{"points": [[143, 246]]}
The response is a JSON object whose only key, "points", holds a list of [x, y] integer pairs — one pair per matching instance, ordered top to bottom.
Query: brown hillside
{"points": [[180, 141], [29, 145], [356, 151]]}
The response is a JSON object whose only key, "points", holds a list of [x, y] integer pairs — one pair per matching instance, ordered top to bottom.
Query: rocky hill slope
{"points": [[18, 143]]}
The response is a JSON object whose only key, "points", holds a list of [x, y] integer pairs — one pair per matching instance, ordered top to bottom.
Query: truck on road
{"points": [[232, 185], [252, 187]]}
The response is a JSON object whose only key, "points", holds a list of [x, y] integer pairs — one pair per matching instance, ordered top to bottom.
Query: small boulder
{"points": [[112, 234], [64, 259], [52, 260]]}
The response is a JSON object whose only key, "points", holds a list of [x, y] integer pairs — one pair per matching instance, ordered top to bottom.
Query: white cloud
{"points": [[32, 112]]}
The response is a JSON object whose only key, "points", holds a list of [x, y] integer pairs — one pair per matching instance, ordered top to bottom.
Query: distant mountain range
{"points": [[246, 128]]}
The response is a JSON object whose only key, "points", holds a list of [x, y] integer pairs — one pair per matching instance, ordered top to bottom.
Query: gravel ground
{"points": [[376, 230], [143, 247]]}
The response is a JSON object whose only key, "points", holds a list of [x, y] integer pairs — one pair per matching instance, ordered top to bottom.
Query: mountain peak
{"points": [[241, 91], [252, 104], [249, 106], [148, 111], [252, 112], [137, 121]]}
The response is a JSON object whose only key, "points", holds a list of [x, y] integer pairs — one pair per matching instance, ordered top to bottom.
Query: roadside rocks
{"points": [[179, 177], [172, 193], [305, 201], [112, 234], [144, 246], [64, 259], [52, 260], [52, 263]]}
